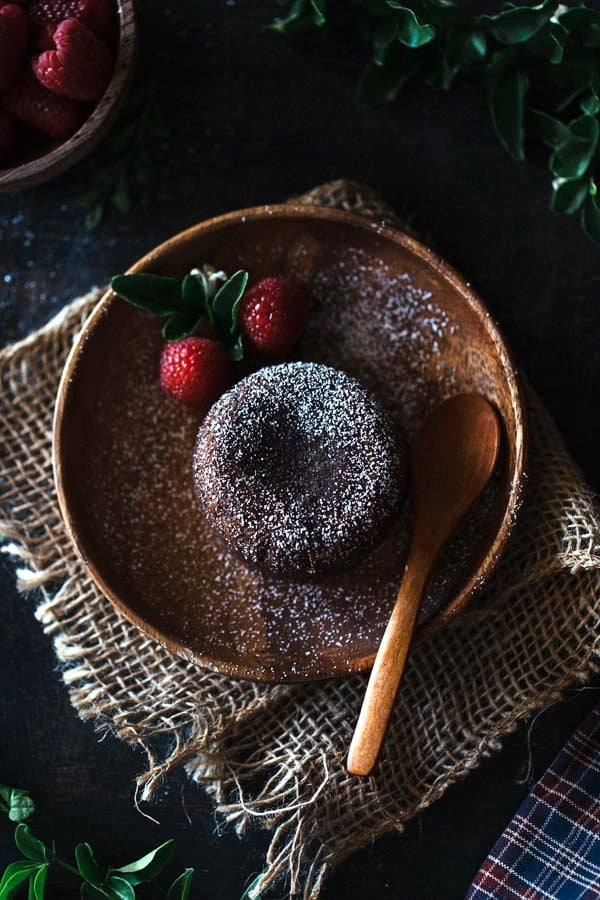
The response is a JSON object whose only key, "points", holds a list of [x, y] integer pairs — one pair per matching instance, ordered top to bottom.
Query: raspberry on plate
{"points": [[45, 15], [14, 32], [81, 66], [33, 105], [273, 314], [195, 370]]}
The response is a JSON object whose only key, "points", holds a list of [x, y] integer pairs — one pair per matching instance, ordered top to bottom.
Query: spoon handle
{"points": [[388, 669]]}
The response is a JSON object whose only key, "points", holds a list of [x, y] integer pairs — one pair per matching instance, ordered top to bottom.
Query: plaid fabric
{"points": [[551, 848]]}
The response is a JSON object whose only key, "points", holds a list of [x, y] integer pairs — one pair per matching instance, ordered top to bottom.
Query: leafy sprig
{"points": [[540, 66], [125, 160], [203, 294], [97, 882], [114, 883]]}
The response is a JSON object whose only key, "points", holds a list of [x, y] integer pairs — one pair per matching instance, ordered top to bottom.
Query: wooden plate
{"points": [[62, 155], [386, 310]]}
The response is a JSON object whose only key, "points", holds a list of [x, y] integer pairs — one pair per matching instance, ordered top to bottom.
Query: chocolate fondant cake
{"points": [[299, 468]]}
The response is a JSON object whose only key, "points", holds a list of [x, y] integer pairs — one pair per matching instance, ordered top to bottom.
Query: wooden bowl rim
{"points": [[98, 123], [517, 475]]}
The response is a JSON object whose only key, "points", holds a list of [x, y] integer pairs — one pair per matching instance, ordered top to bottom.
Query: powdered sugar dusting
{"points": [[367, 331]]}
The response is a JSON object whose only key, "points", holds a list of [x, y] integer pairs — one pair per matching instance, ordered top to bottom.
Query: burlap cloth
{"points": [[275, 755]]}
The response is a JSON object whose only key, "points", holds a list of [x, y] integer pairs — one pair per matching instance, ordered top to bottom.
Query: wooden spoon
{"points": [[452, 458]]}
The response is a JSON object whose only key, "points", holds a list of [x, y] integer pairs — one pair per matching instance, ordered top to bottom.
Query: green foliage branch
{"points": [[540, 66], [97, 882], [115, 883]]}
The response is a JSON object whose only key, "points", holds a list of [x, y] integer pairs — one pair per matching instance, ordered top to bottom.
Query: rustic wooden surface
{"points": [[256, 118]]}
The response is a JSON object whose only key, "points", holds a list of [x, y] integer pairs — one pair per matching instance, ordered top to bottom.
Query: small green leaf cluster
{"points": [[540, 66], [125, 158], [187, 303], [16, 803], [114, 883]]}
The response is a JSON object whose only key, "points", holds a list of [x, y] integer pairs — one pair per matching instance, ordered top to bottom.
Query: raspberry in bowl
{"points": [[62, 84]]}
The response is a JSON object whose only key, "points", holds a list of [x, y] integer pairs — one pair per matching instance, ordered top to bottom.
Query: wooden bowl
{"points": [[65, 154], [385, 309]]}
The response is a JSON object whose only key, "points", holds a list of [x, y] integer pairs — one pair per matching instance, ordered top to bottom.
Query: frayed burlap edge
{"points": [[274, 755]]}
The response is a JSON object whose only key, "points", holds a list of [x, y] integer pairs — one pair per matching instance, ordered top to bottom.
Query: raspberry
{"points": [[45, 15], [14, 30], [80, 67], [34, 106], [7, 134], [273, 314], [195, 371]]}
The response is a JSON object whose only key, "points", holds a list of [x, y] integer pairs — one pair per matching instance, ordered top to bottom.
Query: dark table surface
{"points": [[256, 118]]}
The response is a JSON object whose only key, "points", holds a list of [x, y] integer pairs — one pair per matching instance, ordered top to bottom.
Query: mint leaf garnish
{"points": [[157, 294], [202, 294], [226, 303], [180, 325]]}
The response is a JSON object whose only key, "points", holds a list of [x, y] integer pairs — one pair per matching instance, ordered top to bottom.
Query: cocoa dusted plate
{"points": [[386, 310]]}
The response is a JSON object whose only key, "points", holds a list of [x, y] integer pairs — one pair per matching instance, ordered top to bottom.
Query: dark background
{"points": [[255, 117]]}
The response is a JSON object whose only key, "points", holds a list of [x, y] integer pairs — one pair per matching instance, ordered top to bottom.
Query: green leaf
{"points": [[319, 12], [446, 14], [300, 18], [572, 19], [584, 23], [518, 24], [385, 32], [411, 32], [559, 36], [464, 47], [499, 61], [380, 84], [590, 104], [507, 106], [585, 127], [551, 132], [572, 158], [568, 194], [121, 196], [94, 216], [590, 217], [155, 293], [193, 295], [225, 304], [178, 326], [235, 349], [16, 803], [29, 845], [148, 866], [88, 868], [15, 874], [37, 883], [119, 889], [180, 889], [252, 892]]}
